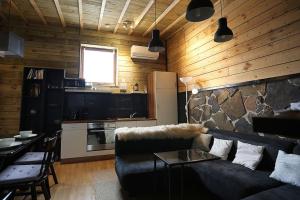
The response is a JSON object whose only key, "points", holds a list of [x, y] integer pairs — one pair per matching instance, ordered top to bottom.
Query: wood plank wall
{"points": [[266, 44], [56, 48], [10, 98]]}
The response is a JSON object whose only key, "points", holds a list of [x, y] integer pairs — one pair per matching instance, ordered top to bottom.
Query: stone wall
{"points": [[233, 108]]}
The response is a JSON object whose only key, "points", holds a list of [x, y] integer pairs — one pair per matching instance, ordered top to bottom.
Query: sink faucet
{"points": [[132, 115]]}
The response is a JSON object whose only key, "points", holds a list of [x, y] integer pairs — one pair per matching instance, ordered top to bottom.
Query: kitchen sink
{"points": [[131, 119]]}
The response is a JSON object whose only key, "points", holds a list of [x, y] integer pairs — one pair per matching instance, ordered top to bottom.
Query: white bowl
{"points": [[6, 141]]}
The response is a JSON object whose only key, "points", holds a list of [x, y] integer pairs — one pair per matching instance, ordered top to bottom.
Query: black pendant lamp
{"points": [[199, 10], [223, 33], [155, 44]]}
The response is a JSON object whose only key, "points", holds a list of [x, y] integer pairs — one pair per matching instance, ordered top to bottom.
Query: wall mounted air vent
{"points": [[11, 44]]}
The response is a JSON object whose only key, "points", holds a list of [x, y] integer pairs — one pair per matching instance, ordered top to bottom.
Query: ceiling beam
{"points": [[14, 6], [171, 6], [38, 11], [80, 13], [60, 14], [101, 14], [122, 15], [142, 15], [173, 23]]}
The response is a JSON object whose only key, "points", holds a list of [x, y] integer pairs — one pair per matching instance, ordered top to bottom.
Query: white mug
{"points": [[25, 133]]}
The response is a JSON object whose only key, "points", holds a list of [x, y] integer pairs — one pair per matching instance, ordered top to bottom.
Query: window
{"points": [[98, 64]]}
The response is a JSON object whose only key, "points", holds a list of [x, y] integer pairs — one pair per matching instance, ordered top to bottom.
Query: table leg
{"points": [[2, 162], [155, 175], [181, 182], [170, 186]]}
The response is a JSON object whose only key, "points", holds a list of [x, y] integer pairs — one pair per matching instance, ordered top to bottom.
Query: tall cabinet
{"points": [[162, 97], [42, 99]]}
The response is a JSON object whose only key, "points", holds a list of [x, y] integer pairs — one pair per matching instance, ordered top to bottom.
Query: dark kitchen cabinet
{"points": [[42, 99], [54, 99], [128, 104], [123, 105], [140, 105], [87, 106], [97, 106], [74, 107]]}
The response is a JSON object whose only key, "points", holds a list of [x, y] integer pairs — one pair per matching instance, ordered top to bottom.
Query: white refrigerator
{"points": [[162, 89]]}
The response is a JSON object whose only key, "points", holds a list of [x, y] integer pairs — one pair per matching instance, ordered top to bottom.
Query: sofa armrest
{"points": [[143, 146]]}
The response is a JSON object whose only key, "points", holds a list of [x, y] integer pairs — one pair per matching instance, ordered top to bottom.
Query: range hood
{"points": [[11, 44]]}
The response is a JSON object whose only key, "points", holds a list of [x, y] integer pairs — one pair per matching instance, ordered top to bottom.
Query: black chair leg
{"points": [[53, 173], [48, 186], [45, 190], [33, 192]]}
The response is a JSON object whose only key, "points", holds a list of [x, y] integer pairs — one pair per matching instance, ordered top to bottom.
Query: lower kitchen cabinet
{"points": [[74, 139], [74, 143]]}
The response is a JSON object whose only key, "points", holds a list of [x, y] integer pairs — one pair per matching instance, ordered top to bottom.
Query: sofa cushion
{"points": [[272, 145], [221, 148], [248, 155], [30, 158], [287, 168], [135, 172], [20, 173], [232, 181], [284, 192]]}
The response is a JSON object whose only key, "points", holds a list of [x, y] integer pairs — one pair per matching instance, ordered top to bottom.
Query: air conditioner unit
{"points": [[141, 52]]}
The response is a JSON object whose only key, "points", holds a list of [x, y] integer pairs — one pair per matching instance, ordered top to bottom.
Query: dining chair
{"points": [[31, 158], [15, 177], [7, 195]]}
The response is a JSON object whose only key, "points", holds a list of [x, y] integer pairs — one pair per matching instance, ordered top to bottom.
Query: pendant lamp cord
{"points": [[221, 8], [155, 12], [9, 13]]}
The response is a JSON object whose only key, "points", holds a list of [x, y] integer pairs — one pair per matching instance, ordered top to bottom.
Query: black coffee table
{"points": [[181, 158]]}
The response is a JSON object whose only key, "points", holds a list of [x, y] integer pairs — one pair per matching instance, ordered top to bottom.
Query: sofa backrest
{"points": [[272, 145], [143, 146], [297, 149]]}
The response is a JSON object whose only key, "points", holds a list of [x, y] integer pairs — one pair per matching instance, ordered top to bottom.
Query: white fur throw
{"points": [[184, 131]]}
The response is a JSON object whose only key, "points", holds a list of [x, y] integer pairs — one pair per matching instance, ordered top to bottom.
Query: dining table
{"points": [[8, 155]]}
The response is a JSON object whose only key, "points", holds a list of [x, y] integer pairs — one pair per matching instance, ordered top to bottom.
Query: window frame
{"points": [[104, 48]]}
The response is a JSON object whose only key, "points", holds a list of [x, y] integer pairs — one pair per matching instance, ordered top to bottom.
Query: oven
{"points": [[101, 136]]}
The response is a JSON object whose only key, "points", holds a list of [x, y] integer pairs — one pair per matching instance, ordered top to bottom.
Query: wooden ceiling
{"points": [[101, 15]]}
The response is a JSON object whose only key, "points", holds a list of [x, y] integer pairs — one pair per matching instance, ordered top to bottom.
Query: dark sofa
{"points": [[134, 161], [222, 179]]}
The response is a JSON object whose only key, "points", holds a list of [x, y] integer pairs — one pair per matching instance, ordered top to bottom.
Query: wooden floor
{"points": [[77, 181]]}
